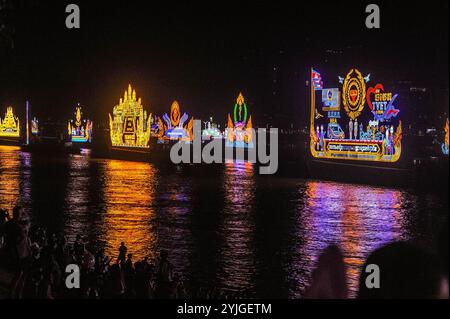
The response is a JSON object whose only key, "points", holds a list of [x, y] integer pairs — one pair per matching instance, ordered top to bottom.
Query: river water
{"points": [[226, 225]]}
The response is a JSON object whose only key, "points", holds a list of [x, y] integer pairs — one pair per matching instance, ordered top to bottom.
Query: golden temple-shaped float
{"points": [[129, 124], [10, 126], [175, 127], [239, 131]]}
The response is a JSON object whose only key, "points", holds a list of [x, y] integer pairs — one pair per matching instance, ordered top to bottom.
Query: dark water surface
{"points": [[223, 225]]}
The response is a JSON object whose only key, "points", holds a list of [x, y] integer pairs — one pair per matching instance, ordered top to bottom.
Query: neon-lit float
{"points": [[129, 124], [34, 126], [175, 127], [9, 128], [79, 129], [355, 129], [211, 131], [239, 131], [358, 132], [444, 146]]}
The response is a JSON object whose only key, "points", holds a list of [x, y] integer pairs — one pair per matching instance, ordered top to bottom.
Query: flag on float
{"points": [[316, 79]]}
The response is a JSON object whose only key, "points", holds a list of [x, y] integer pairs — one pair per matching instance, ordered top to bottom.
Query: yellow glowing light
{"points": [[354, 93], [240, 99], [175, 113], [129, 124], [10, 126], [446, 134]]}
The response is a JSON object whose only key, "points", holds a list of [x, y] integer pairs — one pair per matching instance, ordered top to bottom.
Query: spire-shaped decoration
{"points": [[240, 99], [129, 124], [10, 126], [239, 130]]}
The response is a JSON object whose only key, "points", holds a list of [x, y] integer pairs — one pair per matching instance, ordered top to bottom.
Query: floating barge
{"points": [[356, 133]]}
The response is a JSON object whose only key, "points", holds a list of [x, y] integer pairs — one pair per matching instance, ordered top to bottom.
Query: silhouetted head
{"points": [[122, 244], [164, 254], [405, 271], [329, 278]]}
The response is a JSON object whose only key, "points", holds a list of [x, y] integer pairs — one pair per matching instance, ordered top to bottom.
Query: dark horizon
{"points": [[204, 55]]}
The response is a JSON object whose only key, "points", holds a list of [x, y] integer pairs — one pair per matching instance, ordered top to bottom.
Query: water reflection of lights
{"points": [[9, 177], [129, 193], [77, 197], [357, 218], [237, 259]]}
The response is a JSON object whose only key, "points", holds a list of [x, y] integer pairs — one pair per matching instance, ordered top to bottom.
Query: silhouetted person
{"points": [[78, 247], [18, 253], [122, 253], [406, 271], [163, 275], [329, 277]]}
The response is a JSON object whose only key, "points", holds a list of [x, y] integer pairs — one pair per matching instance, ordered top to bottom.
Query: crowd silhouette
{"points": [[34, 264]]}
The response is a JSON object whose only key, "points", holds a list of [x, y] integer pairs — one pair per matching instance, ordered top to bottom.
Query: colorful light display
{"points": [[381, 103], [129, 124], [10, 125], [34, 126], [175, 127], [80, 130], [211, 131], [239, 131], [371, 135], [445, 147]]}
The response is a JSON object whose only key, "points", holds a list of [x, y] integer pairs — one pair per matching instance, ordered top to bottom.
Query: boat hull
{"points": [[9, 141]]}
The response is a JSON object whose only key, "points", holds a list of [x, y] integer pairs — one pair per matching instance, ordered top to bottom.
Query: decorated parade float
{"points": [[34, 126], [129, 126], [176, 127], [10, 128], [355, 129], [79, 130], [211, 131], [239, 131]]}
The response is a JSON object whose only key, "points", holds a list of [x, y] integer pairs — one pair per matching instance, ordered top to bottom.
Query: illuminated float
{"points": [[355, 122], [129, 124], [34, 126], [10, 127], [175, 127], [79, 129], [211, 131], [239, 131], [445, 146]]}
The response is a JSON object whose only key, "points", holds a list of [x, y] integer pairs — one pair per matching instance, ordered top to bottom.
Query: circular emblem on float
{"points": [[353, 93]]}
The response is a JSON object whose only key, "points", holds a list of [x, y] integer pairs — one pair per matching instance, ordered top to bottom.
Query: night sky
{"points": [[203, 54]]}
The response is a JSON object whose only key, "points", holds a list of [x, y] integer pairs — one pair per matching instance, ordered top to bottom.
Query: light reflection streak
{"points": [[10, 166], [129, 193], [77, 197], [357, 218], [237, 264]]}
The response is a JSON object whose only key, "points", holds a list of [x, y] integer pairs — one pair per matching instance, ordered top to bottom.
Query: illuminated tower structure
{"points": [[129, 124], [10, 126], [176, 126], [79, 129], [239, 131]]}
